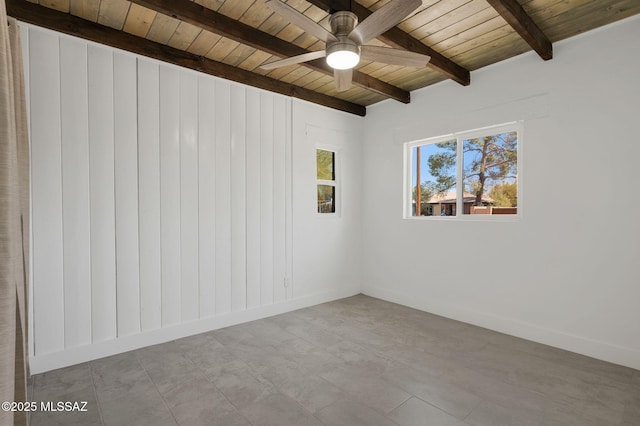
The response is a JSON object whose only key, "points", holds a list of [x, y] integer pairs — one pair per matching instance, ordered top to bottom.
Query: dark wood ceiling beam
{"points": [[515, 15], [220, 24], [72, 25], [395, 37]]}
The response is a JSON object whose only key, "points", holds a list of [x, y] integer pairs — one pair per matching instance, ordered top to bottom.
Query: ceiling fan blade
{"points": [[296, 18], [383, 19], [388, 55], [294, 60], [343, 79]]}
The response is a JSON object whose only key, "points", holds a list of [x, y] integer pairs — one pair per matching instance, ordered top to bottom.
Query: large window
{"points": [[466, 174], [326, 180]]}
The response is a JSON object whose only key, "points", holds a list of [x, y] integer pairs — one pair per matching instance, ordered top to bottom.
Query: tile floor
{"points": [[355, 361]]}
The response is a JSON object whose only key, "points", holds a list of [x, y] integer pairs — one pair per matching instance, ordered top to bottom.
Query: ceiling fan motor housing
{"points": [[343, 53]]}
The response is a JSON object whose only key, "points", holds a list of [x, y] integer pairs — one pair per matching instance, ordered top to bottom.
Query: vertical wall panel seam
{"points": [[86, 48], [137, 97], [197, 132], [214, 137], [214, 145], [115, 188], [180, 193], [160, 196], [259, 198], [246, 201], [230, 206], [273, 206], [288, 222], [159, 265], [64, 289], [33, 299], [31, 328]]}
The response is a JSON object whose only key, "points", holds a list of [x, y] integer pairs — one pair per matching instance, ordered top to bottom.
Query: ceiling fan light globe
{"points": [[343, 54], [343, 59]]}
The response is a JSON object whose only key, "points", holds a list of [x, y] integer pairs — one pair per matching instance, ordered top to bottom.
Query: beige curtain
{"points": [[14, 222]]}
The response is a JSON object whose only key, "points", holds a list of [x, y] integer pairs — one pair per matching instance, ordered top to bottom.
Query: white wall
{"points": [[162, 202], [326, 247], [567, 272]]}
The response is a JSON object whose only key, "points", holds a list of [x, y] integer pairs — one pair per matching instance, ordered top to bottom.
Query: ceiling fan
{"points": [[345, 42]]}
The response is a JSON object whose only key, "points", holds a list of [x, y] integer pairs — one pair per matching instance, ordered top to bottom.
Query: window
{"points": [[467, 174], [326, 180]]}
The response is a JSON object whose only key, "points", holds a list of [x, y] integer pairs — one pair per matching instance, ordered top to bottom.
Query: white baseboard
{"points": [[596, 349], [80, 354]]}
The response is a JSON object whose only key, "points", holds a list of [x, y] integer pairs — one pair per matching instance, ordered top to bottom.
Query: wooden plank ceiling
{"points": [[232, 38]]}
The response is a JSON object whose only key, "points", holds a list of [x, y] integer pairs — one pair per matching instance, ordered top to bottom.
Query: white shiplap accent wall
{"points": [[160, 199]]}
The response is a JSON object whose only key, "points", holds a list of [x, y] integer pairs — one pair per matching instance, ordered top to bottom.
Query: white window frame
{"points": [[460, 137], [335, 183]]}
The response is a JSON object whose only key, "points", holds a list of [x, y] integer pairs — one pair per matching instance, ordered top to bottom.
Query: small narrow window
{"points": [[326, 180]]}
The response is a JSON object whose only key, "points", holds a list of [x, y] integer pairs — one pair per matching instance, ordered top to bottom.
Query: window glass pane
{"points": [[325, 164], [490, 174], [433, 177], [326, 199]]}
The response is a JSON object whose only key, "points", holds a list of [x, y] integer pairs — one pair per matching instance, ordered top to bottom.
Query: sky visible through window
{"points": [[503, 141], [426, 151]]}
